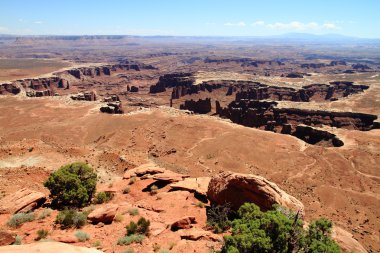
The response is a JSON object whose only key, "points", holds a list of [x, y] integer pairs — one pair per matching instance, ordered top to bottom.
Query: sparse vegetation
{"points": [[132, 180], [72, 185], [126, 190], [153, 190], [103, 197], [200, 204], [133, 211], [45, 213], [217, 217], [20, 218], [71, 218], [118, 218], [141, 227], [275, 231], [42, 234], [82, 236], [129, 239], [18, 240], [97, 244], [171, 245], [128, 251], [164, 251]]}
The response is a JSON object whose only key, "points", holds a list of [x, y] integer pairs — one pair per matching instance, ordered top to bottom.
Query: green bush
{"points": [[132, 180], [72, 185], [126, 190], [153, 190], [103, 197], [133, 211], [45, 213], [217, 217], [20, 218], [71, 218], [141, 227], [277, 231], [42, 234], [82, 236], [18, 240], [126, 240], [128, 251]]}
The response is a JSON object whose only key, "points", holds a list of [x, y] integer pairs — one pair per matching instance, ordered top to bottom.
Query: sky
{"points": [[358, 18]]}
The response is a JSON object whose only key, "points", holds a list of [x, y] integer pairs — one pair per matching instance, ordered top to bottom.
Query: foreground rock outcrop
{"points": [[237, 189], [23, 200], [47, 247]]}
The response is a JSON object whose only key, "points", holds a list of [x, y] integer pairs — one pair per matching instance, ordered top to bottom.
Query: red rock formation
{"points": [[201, 106], [237, 189]]}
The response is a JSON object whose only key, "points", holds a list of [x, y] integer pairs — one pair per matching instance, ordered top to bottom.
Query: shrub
{"points": [[132, 180], [72, 185], [126, 190], [153, 190], [103, 197], [200, 204], [133, 211], [45, 213], [118, 217], [217, 217], [20, 218], [71, 218], [141, 227], [131, 228], [276, 231], [41, 234], [82, 236], [318, 237], [18, 240], [126, 240], [97, 244], [171, 245], [128, 251], [164, 251]]}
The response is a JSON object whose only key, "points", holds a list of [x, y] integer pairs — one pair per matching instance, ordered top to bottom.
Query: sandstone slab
{"points": [[198, 184], [23, 200]]}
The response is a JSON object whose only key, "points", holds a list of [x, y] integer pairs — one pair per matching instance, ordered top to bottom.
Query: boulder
{"points": [[198, 185], [237, 189], [23, 200], [104, 214], [183, 223], [197, 234], [6, 238], [346, 241], [47, 247]]}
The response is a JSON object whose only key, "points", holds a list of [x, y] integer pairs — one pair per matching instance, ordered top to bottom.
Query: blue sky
{"points": [[359, 18]]}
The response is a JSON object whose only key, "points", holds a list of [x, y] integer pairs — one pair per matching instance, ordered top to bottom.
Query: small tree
{"points": [[72, 185], [277, 231]]}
